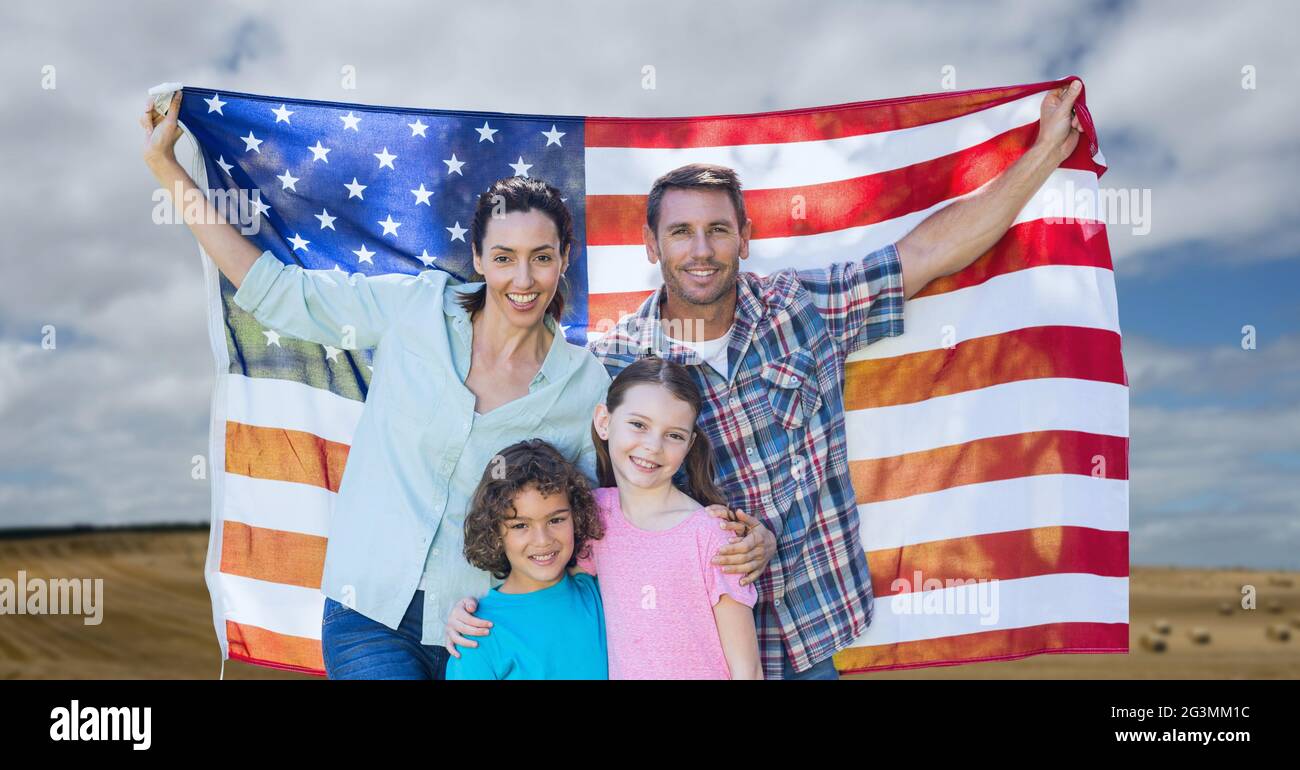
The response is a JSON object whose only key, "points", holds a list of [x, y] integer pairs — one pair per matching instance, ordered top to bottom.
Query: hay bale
{"points": [[1162, 626], [1278, 633], [1199, 635], [1153, 643]]}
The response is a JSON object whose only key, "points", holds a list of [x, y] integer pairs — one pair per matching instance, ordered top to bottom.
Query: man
{"points": [[769, 355]]}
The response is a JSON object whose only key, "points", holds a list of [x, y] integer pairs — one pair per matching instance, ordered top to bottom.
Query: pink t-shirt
{"points": [[659, 589]]}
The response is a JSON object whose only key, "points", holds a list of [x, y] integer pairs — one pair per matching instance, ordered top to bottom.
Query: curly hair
{"points": [[530, 463]]}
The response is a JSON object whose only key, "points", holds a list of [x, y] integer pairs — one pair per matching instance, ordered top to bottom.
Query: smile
{"points": [[703, 273], [523, 301], [643, 464], [544, 558]]}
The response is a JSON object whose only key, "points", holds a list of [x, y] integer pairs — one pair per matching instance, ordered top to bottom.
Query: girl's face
{"points": [[521, 264], [648, 434], [538, 539]]}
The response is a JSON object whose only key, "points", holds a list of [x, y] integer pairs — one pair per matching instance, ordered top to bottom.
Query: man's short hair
{"points": [[695, 176]]}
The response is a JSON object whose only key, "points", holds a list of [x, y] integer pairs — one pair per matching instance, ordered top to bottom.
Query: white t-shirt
{"points": [[714, 352]]}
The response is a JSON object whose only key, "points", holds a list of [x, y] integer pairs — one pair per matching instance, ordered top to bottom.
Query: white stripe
{"points": [[632, 170], [626, 268], [1047, 295], [275, 403], [1024, 406], [283, 505], [1005, 505], [1071, 597], [284, 609]]}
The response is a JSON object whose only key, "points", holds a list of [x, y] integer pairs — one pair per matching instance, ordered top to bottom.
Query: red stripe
{"points": [[802, 125], [616, 220], [1024, 354], [988, 459], [1000, 556], [985, 646]]}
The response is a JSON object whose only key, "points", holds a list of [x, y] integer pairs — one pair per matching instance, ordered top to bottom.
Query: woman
{"points": [[461, 371]]}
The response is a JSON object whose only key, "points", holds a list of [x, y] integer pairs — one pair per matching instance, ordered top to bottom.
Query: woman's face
{"points": [[521, 264], [649, 434], [538, 539]]}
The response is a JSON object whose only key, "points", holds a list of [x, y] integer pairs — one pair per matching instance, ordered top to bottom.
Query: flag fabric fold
{"points": [[988, 443]]}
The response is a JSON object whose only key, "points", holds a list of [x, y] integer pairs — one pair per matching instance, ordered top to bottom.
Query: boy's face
{"points": [[538, 539]]}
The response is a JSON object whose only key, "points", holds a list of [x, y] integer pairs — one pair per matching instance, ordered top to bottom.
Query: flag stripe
{"points": [[800, 125], [1023, 354], [1022, 407], [284, 455], [990, 459], [1048, 500], [275, 504], [288, 558], [283, 609], [986, 646], [267, 648]]}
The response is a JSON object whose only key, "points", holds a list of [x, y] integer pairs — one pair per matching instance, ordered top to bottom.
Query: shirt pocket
{"points": [[411, 388], [792, 389]]}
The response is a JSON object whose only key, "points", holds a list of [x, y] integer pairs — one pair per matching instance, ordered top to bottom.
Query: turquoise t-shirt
{"points": [[554, 633]]}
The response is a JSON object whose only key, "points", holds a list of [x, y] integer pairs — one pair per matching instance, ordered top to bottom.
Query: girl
{"points": [[530, 517], [670, 613]]}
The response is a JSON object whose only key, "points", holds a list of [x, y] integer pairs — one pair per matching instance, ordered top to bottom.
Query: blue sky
{"points": [[104, 428]]}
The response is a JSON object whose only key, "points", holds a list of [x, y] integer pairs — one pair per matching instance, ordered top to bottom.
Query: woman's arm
{"points": [[230, 250], [739, 638]]}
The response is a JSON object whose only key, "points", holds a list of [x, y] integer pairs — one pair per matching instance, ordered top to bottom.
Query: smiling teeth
{"points": [[702, 273], [523, 299], [642, 463], [544, 557]]}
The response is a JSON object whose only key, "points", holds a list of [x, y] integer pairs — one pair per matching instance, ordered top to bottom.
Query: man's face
{"points": [[698, 244]]}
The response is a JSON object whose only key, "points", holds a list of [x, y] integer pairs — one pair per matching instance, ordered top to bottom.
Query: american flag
{"points": [[988, 443]]}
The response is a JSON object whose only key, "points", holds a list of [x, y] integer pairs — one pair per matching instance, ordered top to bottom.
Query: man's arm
{"points": [[956, 235]]}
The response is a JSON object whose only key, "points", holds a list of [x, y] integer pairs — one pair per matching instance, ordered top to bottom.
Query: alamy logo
{"points": [[56, 596], [103, 723]]}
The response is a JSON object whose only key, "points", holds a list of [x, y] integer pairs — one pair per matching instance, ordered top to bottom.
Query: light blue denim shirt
{"points": [[419, 449]]}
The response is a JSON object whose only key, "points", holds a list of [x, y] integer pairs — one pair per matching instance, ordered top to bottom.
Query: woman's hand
{"points": [[161, 133], [752, 548], [462, 622]]}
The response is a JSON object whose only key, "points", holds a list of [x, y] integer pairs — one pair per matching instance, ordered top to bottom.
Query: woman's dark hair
{"points": [[517, 193], [699, 458], [530, 463]]}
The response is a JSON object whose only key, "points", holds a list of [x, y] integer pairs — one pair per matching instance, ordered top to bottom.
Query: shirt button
{"points": [[749, 450], [435, 552], [776, 603]]}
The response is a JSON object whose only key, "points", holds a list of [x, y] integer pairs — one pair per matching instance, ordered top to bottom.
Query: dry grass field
{"points": [[157, 621]]}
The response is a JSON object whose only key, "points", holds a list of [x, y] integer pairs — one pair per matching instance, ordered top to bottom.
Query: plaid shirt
{"points": [[776, 425]]}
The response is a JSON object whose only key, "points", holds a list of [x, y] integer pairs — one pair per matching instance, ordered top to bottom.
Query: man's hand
{"points": [[1059, 128], [750, 550], [462, 622]]}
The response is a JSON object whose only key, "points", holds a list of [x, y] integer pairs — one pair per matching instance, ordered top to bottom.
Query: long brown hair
{"points": [[517, 193], [699, 458]]}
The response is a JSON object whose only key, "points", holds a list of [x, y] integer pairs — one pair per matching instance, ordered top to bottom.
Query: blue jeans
{"points": [[356, 647], [823, 669]]}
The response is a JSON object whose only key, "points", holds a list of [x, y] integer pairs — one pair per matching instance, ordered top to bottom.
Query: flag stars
{"points": [[215, 104], [282, 115], [350, 121], [417, 128], [486, 132], [553, 136], [251, 143], [319, 152], [385, 158], [221, 161], [453, 165], [521, 168], [287, 181], [354, 189], [422, 195], [261, 207], [326, 220], [390, 227], [457, 232], [298, 242], [364, 254], [426, 258], [272, 338], [332, 353]]}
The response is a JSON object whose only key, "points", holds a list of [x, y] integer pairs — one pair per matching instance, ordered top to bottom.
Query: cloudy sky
{"points": [[102, 429]]}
